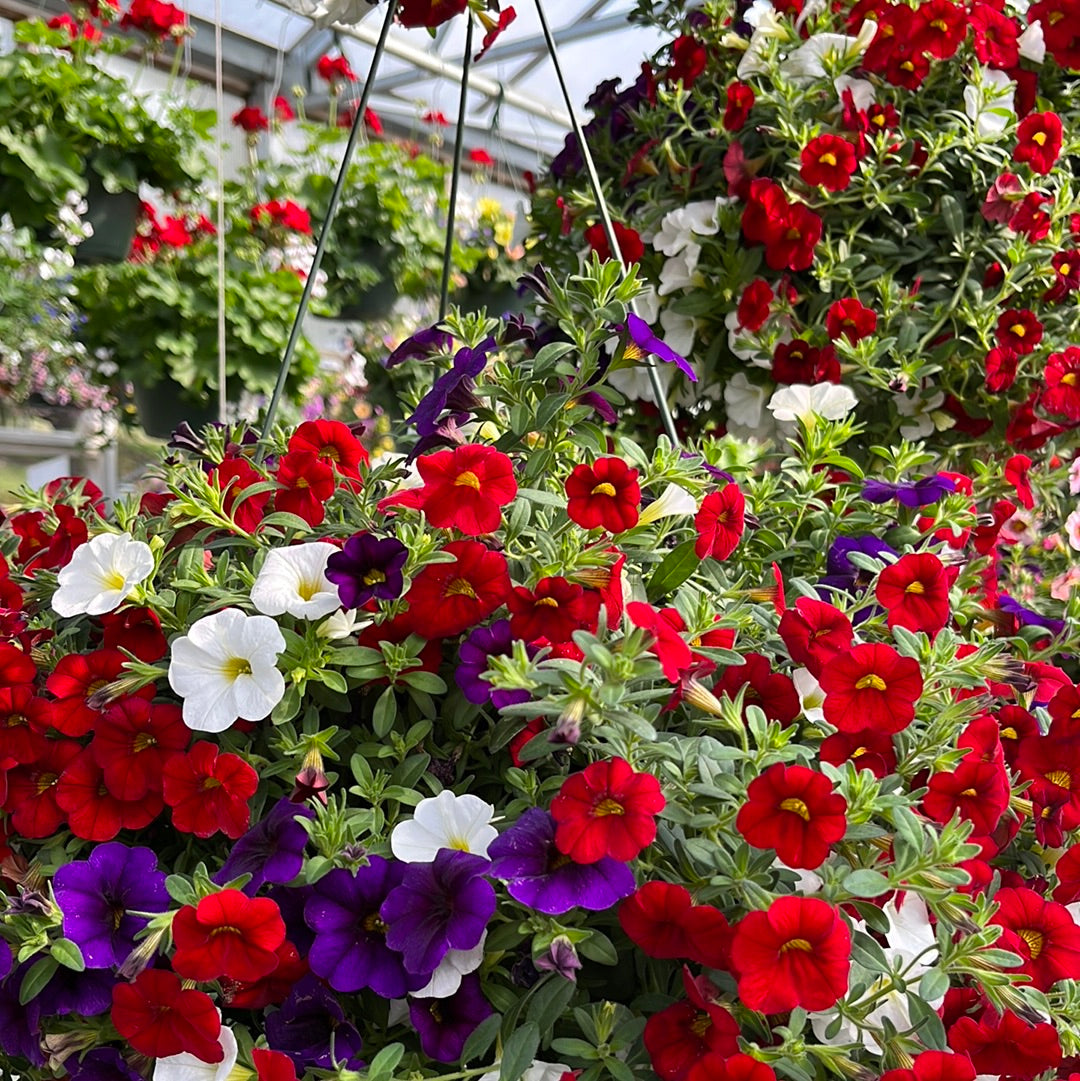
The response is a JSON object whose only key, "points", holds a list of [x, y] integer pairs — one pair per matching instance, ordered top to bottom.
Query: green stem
{"points": [[932, 333]]}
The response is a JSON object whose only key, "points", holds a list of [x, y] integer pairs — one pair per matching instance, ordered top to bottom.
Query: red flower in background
{"points": [[429, 12], [155, 19], [939, 28], [494, 29], [1061, 30], [996, 37], [688, 60], [335, 69], [740, 100], [283, 111], [251, 119], [1039, 141], [479, 156], [830, 161], [282, 213], [789, 231], [630, 243], [1066, 266], [754, 305], [851, 319], [1019, 331], [799, 362], [1000, 369], [1062, 375], [332, 443], [1016, 474], [233, 477], [307, 482], [465, 487], [603, 495], [720, 522], [44, 545], [914, 591], [448, 598], [553, 611], [138, 630], [815, 632], [668, 646], [16, 668], [76, 681], [871, 686], [772, 691], [24, 719], [866, 748], [208, 791], [977, 791], [31, 798], [607, 809], [795, 811], [93, 812], [662, 920], [228, 934], [1045, 936], [797, 953], [273, 989], [160, 1019], [682, 1035], [1006, 1045], [276, 1065], [934, 1066], [717, 1067]]}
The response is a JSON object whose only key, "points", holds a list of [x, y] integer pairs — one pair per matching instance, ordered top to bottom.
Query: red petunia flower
{"points": [[429, 13], [939, 27], [996, 37], [688, 60], [335, 69], [740, 100], [283, 111], [251, 119], [1039, 141], [479, 156], [830, 161], [1030, 218], [789, 231], [631, 246], [1066, 266], [754, 305], [850, 318], [1019, 331], [800, 362], [1000, 369], [1062, 375], [331, 442], [1016, 474], [233, 477], [307, 482], [465, 487], [604, 495], [720, 522], [44, 545], [914, 591], [448, 598], [553, 611], [138, 630], [815, 632], [668, 646], [16, 667], [75, 682], [871, 686], [773, 692], [24, 718], [133, 741], [866, 748], [1052, 765], [208, 791], [977, 791], [31, 796], [607, 809], [795, 811], [93, 812], [1067, 870], [661, 919], [228, 934], [1045, 936], [796, 953], [273, 989], [160, 1019], [682, 1035], [1006, 1045], [277, 1066], [934, 1066], [717, 1067]]}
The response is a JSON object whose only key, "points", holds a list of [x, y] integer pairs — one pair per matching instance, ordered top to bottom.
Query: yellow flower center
{"points": [[940, 24], [1039, 137], [827, 159], [1065, 269], [1018, 329], [633, 351], [1069, 379], [468, 479], [603, 489], [373, 578], [114, 580], [460, 587], [307, 588], [917, 588], [547, 602], [235, 667], [872, 680], [1009, 733], [142, 741], [1062, 778], [796, 806], [608, 807], [373, 922], [224, 930], [1034, 940], [796, 944], [701, 1024]]}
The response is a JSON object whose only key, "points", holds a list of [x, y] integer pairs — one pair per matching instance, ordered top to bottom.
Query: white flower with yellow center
{"points": [[101, 574], [293, 580], [224, 668], [462, 823], [186, 1067]]}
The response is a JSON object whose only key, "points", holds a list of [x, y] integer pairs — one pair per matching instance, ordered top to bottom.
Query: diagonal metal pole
{"points": [[455, 179], [331, 213], [605, 215]]}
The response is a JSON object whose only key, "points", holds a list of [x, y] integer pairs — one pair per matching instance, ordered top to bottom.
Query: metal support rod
{"points": [[455, 176], [605, 216], [328, 222]]}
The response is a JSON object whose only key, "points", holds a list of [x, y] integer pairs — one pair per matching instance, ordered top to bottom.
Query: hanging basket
{"points": [[114, 216], [165, 405]]}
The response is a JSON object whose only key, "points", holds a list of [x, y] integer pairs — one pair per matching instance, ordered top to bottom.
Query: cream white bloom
{"points": [[332, 11], [766, 23], [1032, 44], [816, 55], [862, 90], [990, 102], [679, 226], [678, 271], [679, 331], [741, 342], [802, 401], [745, 402], [918, 405], [673, 500], [101, 574], [293, 580], [342, 624], [224, 668], [811, 696], [462, 823], [446, 979], [186, 1067], [538, 1071]]}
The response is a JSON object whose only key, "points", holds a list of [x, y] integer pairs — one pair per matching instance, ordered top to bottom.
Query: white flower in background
{"points": [[332, 11], [758, 13], [763, 18], [1032, 44], [816, 55], [862, 91], [990, 102], [680, 225], [54, 262], [678, 271], [647, 305], [679, 331], [741, 345], [635, 383], [802, 401], [745, 402], [918, 405], [673, 501], [101, 574], [294, 580], [342, 624], [224, 668], [811, 696], [462, 823], [806, 882], [446, 979], [186, 1067], [538, 1071]]}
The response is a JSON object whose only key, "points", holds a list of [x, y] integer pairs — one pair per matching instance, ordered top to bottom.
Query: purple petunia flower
{"points": [[424, 343], [648, 344], [454, 390], [919, 493], [368, 567], [842, 573], [1026, 617], [482, 644], [272, 850], [538, 875], [98, 895], [291, 902], [439, 906], [350, 950], [5, 959], [87, 993], [309, 1022], [444, 1024], [20, 1026], [101, 1064]]}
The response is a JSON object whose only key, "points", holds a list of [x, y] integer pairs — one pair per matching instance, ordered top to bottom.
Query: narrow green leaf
{"points": [[674, 569], [68, 954], [35, 980], [519, 1052]]}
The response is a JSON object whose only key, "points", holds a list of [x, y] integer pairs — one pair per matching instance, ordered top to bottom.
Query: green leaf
{"points": [[545, 499], [674, 569], [384, 713], [865, 883], [181, 890], [597, 947], [68, 954], [35, 980], [933, 985], [550, 1000], [480, 1039], [519, 1052], [385, 1062]]}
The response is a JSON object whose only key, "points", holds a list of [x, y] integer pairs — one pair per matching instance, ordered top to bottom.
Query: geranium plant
{"points": [[553, 757]]}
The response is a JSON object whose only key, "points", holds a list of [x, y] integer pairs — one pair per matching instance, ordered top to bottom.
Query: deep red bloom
{"points": [[429, 12], [158, 20], [939, 27], [1061, 29], [494, 31], [996, 37], [688, 60], [334, 69], [740, 100], [283, 111], [251, 119], [1039, 141], [830, 161], [281, 213], [1030, 218], [789, 231], [631, 245], [1066, 266], [754, 304], [851, 318], [1019, 331], [799, 362], [1000, 369], [1062, 375], [331, 442], [1016, 474], [233, 477], [307, 483], [465, 487], [603, 495], [720, 522], [47, 545], [914, 591], [553, 611], [138, 630], [815, 632], [669, 646], [16, 668], [75, 682], [871, 686], [772, 691], [24, 718], [1014, 725], [132, 742], [866, 748], [1052, 764], [208, 791], [977, 791], [31, 797], [607, 809], [795, 811], [93, 812], [1067, 870], [661, 919], [227, 934], [1046, 937], [797, 953], [272, 990], [159, 1018], [680, 1036], [1006, 1046], [277, 1066], [934, 1066], [717, 1067]]}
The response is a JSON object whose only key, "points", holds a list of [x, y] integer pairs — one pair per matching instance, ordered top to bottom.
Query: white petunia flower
{"points": [[333, 11], [766, 23], [1032, 44], [812, 59], [862, 91], [990, 103], [681, 224], [678, 271], [647, 305], [679, 331], [738, 336], [829, 401], [745, 402], [918, 405], [673, 500], [101, 574], [294, 580], [342, 624], [225, 668], [811, 696], [462, 823], [446, 979], [186, 1067], [538, 1071]]}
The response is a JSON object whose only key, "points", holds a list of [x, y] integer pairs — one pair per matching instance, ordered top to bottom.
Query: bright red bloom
{"points": [[158, 20], [1060, 21], [939, 27], [494, 32], [996, 37], [688, 60], [907, 67], [334, 69], [740, 100], [283, 111], [251, 119], [1039, 141], [479, 156], [830, 161], [281, 213], [1029, 217], [789, 231], [631, 246], [1066, 266], [754, 304], [851, 318], [1019, 331], [1000, 369], [1062, 375], [1026, 430], [331, 442], [1016, 474], [233, 477], [307, 483], [465, 487], [603, 495], [720, 522], [44, 545], [914, 591], [448, 598], [553, 611], [138, 630], [815, 632], [669, 646], [16, 668], [75, 682], [871, 686], [773, 692], [24, 718], [1014, 725], [132, 743], [866, 748], [1053, 766], [208, 791], [977, 791], [31, 797], [607, 809], [795, 811], [93, 812], [1067, 870], [661, 919], [227, 934], [1046, 937], [797, 953], [271, 990], [159, 1018], [682, 1035], [1006, 1046], [276, 1065], [934, 1066], [717, 1067]]}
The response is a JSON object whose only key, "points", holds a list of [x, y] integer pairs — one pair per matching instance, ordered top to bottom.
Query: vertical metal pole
{"points": [[455, 179], [331, 212], [605, 215]]}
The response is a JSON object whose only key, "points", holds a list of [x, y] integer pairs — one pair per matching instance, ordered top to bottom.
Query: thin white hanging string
{"points": [[219, 88]]}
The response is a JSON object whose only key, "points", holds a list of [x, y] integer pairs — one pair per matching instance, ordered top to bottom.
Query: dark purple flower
{"points": [[516, 328], [424, 343], [646, 343], [454, 390], [600, 405], [447, 433], [714, 471], [918, 493], [368, 567], [842, 573], [1026, 617], [482, 644], [272, 850], [538, 875], [98, 895], [291, 902], [439, 906], [350, 950], [5, 959], [88, 993], [309, 1022], [444, 1024], [20, 1026], [101, 1064]]}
